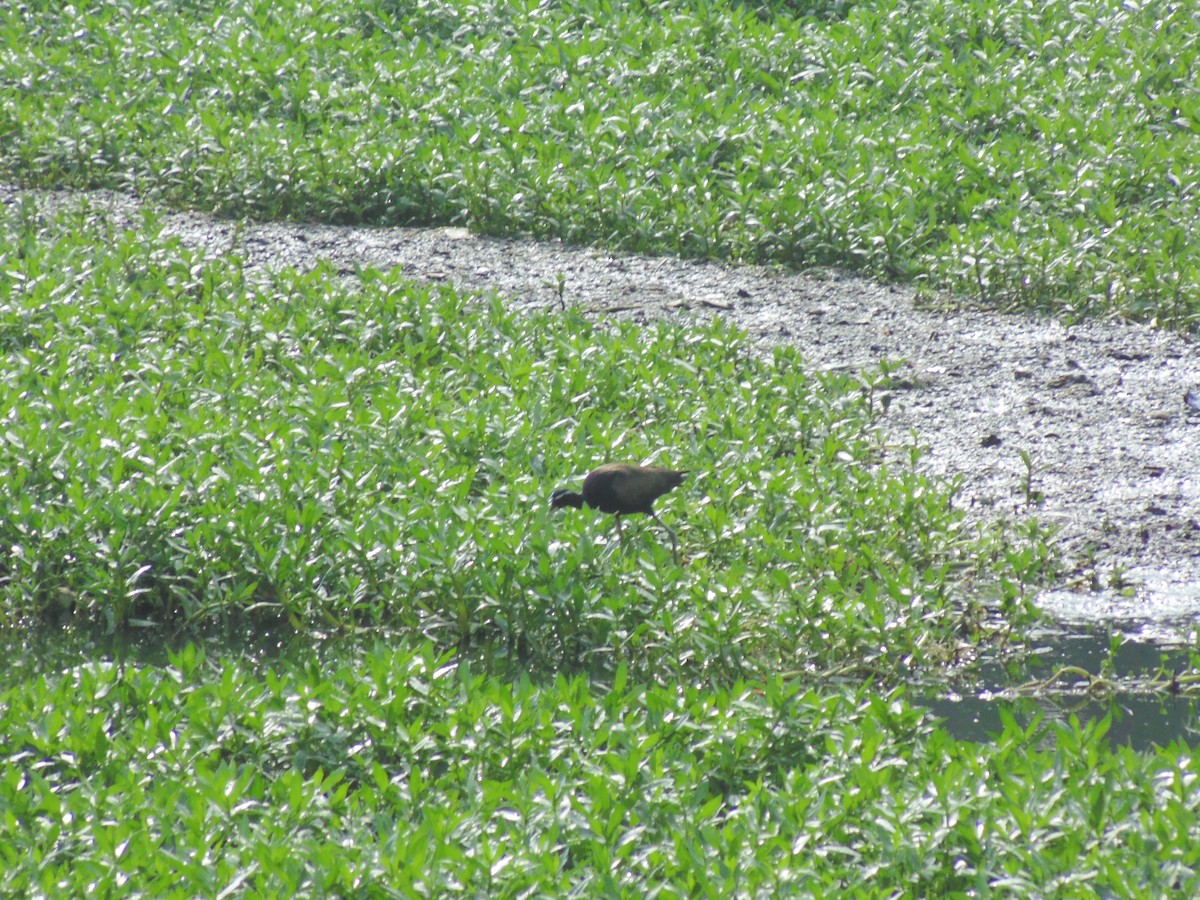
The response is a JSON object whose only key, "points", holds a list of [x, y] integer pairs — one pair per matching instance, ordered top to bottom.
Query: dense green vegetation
{"points": [[1016, 153], [184, 443], [283, 608], [518, 701], [398, 773]]}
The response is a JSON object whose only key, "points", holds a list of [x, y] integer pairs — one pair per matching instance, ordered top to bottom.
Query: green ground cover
{"points": [[1017, 154], [183, 444], [427, 682], [511, 701], [394, 772]]}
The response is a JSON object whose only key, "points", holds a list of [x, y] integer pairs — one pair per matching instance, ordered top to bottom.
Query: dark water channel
{"points": [[1129, 641], [1143, 717]]}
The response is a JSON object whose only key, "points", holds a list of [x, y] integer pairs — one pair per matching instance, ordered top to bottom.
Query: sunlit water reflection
{"points": [[1147, 626]]}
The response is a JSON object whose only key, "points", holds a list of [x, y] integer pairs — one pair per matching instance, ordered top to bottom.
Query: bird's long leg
{"points": [[674, 546]]}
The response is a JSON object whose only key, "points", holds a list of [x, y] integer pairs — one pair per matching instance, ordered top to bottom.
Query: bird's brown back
{"points": [[626, 488]]}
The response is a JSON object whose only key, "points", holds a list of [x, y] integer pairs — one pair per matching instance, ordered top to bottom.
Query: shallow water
{"points": [[1157, 606], [1125, 637], [1141, 722]]}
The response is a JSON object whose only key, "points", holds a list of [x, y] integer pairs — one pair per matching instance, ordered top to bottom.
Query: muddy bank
{"points": [[1100, 408]]}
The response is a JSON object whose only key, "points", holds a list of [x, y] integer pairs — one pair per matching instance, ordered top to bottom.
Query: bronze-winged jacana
{"points": [[623, 489]]}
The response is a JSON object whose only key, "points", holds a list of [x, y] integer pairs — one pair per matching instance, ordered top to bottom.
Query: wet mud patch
{"points": [[1087, 427]]}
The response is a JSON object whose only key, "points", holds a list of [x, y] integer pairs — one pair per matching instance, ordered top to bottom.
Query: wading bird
{"points": [[623, 489]]}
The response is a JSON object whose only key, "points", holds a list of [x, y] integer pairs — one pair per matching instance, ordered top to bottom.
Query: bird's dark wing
{"points": [[638, 488], [625, 490]]}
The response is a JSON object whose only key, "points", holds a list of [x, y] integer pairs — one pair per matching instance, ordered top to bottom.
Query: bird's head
{"points": [[562, 497]]}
